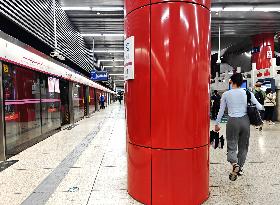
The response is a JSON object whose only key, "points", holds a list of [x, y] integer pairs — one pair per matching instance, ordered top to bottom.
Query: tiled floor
{"points": [[87, 166]]}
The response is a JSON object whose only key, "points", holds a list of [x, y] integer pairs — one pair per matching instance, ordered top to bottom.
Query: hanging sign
{"points": [[129, 58], [99, 75]]}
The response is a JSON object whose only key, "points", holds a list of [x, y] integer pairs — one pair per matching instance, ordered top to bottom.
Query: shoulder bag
{"points": [[252, 111]]}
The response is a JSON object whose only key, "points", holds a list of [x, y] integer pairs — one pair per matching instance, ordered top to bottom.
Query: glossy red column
{"points": [[262, 44], [167, 104]]}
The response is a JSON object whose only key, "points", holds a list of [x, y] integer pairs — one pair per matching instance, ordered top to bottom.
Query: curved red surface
{"points": [[206, 3], [132, 5], [266, 43], [180, 75], [138, 91], [167, 104], [139, 173], [180, 177]]}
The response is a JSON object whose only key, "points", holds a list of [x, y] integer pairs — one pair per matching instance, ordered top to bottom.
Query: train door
{"points": [[64, 96], [86, 100]]}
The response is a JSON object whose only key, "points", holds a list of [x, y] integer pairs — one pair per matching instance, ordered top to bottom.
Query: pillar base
{"points": [[168, 177]]}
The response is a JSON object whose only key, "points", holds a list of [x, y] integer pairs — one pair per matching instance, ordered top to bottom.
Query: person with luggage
{"points": [[260, 96], [269, 105], [238, 125]]}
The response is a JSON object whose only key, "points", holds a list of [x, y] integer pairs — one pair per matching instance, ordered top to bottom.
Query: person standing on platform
{"points": [[260, 96], [215, 99], [102, 102], [269, 104], [238, 125]]}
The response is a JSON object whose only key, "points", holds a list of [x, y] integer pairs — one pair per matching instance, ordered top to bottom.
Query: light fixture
{"points": [[76, 8], [87, 8], [241, 8], [245, 8], [107, 9], [216, 9], [266, 9], [98, 13], [102, 34], [109, 51], [249, 55], [112, 60], [111, 66]]}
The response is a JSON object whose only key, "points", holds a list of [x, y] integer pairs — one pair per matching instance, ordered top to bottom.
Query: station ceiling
{"points": [[239, 19]]}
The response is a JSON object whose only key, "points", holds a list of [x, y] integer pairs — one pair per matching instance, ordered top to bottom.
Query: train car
{"points": [[40, 95]]}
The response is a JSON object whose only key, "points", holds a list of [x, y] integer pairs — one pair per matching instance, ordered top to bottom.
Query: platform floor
{"points": [[87, 166]]}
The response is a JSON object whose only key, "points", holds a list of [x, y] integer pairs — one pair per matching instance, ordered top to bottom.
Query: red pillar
{"points": [[262, 44], [167, 104]]}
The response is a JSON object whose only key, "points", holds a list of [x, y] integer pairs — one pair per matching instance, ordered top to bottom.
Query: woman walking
{"points": [[238, 125]]}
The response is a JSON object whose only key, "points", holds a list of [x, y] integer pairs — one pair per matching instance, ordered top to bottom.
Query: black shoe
{"points": [[240, 173], [233, 175]]}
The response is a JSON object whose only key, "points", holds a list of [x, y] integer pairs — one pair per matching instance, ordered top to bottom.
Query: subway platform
{"points": [[86, 165]]}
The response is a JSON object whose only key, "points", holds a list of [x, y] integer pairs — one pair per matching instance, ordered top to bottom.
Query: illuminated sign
{"points": [[99, 75]]}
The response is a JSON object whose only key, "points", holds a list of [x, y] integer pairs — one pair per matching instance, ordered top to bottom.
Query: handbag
{"points": [[252, 111], [217, 141]]}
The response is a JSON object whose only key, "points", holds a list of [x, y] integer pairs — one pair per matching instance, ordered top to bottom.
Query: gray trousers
{"points": [[238, 134]]}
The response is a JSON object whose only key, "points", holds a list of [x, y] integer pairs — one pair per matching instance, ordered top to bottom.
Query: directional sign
{"points": [[99, 75]]}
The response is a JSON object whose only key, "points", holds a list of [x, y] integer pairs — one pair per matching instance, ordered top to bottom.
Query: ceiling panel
{"points": [[236, 26]]}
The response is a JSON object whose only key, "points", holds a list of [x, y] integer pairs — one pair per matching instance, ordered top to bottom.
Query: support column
{"points": [[263, 52], [167, 104]]}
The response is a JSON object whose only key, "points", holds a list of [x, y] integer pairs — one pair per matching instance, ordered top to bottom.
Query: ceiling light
{"points": [[76, 8], [87, 8], [238, 8], [245, 8], [107, 9], [216, 9], [266, 9], [98, 13], [102, 34], [109, 51], [249, 55], [112, 60], [111, 66], [116, 74]]}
